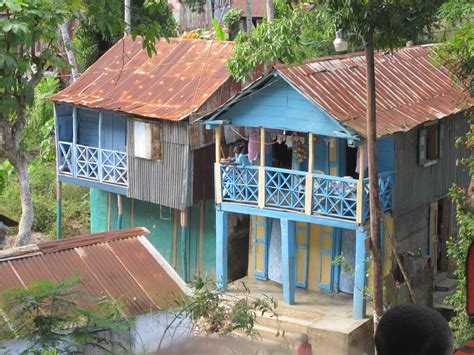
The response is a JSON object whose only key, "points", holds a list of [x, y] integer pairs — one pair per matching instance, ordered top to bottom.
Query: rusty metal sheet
{"points": [[258, 7], [174, 83], [410, 89], [114, 264], [158, 285]]}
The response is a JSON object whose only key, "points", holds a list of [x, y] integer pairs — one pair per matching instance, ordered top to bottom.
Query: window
{"points": [[147, 140], [429, 144]]}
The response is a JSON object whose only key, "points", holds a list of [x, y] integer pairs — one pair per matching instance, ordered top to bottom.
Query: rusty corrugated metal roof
{"points": [[259, 8], [172, 84], [410, 89], [120, 264]]}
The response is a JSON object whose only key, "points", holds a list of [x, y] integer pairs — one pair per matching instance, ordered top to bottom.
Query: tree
{"points": [[248, 16], [382, 24], [28, 46], [457, 54], [48, 316]]}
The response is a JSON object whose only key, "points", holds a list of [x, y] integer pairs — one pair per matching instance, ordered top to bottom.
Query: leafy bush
{"points": [[231, 21]]}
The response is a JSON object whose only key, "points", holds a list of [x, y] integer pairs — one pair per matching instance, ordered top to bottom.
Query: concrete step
{"points": [[440, 276], [446, 285], [439, 297], [288, 324], [275, 334]]}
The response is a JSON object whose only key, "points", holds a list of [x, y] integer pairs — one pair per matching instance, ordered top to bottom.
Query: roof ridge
{"points": [[90, 239]]}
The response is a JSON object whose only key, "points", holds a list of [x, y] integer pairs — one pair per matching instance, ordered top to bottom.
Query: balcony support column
{"points": [[74, 141], [217, 168], [261, 170], [309, 176], [360, 186], [120, 211], [59, 213], [184, 243], [221, 248], [288, 272], [360, 279]]}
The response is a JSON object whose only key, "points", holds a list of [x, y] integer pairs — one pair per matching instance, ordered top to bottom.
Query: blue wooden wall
{"points": [[280, 106], [88, 127], [114, 131], [386, 154]]}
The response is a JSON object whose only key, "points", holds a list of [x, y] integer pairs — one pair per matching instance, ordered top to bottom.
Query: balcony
{"points": [[93, 164], [287, 190]]}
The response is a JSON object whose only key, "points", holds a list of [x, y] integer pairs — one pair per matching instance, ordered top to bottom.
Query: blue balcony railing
{"points": [[91, 163], [240, 184], [285, 188], [331, 196]]}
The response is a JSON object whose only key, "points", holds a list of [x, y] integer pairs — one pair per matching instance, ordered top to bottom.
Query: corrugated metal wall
{"points": [[189, 20], [167, 182], [416, 185]]}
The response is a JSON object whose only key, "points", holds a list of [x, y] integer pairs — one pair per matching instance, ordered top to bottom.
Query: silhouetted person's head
{"points": [[409, 329]]}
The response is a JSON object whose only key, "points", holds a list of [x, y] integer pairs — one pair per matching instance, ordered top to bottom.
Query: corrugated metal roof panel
{"points": [[258, 7], [172, 84], [410, 89], [115, 264]]}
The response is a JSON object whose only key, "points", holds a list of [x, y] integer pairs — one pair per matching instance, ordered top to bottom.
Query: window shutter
{"points": [[441, 133], [422, 140], [156, 142]]}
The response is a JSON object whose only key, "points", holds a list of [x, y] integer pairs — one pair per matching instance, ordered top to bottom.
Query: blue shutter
{"points": [[422, 140]]}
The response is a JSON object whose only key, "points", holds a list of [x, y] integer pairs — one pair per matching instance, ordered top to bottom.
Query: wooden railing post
{"points": [[74, 141], [217, 165], [261, 171], [309, 176], [360, 186]]}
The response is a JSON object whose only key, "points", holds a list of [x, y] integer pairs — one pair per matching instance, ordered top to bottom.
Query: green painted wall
{"points": [[159, 221]]}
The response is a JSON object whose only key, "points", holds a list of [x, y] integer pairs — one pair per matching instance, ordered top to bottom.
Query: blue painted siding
{"points": [[280, 106], [88, 127], [114, 131], [321, 155]]}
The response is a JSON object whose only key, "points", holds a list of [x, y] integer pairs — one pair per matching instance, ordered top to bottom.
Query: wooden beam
{"points": [[218, 138], [74, 140], [261, 170], [309, 176], [360, 186], [108, 210], [120, 211], [132, 213], [59, 215], [201, 230], [175, 237]]}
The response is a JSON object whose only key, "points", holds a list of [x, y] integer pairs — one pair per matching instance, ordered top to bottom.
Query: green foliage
{"points": [[150, 19], [231, 21], [218, 30], [75, 205], [214, 312], [48, 315]]}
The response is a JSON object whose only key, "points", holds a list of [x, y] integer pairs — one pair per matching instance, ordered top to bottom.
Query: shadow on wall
{"points": [[239, 227]]}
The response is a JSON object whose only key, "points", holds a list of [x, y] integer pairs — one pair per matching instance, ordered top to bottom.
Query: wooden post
{"points": [[74, 141], [99, 158], [217, 165], [261, 171], [309, 176], [360, 186], [109, 198], [375, 209], [120, 211], [132, 213], [59, 216], [201, 230], [175, 237], [183, 244], [221, 249], [288, 272], [360, 280]]}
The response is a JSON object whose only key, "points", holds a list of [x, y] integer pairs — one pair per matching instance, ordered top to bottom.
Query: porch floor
{"points": [[331, 311]]}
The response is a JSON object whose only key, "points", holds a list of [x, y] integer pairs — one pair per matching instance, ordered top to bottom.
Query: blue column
{"points": [[74, 140], [288, 229], [221, 248], [360, 279]]}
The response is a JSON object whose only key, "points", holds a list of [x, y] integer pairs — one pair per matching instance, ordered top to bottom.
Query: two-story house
{"points": [[124, 130], [306, 185]]}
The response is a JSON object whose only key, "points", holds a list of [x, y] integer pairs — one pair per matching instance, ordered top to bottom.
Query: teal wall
{"points": [[160, 222]]}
